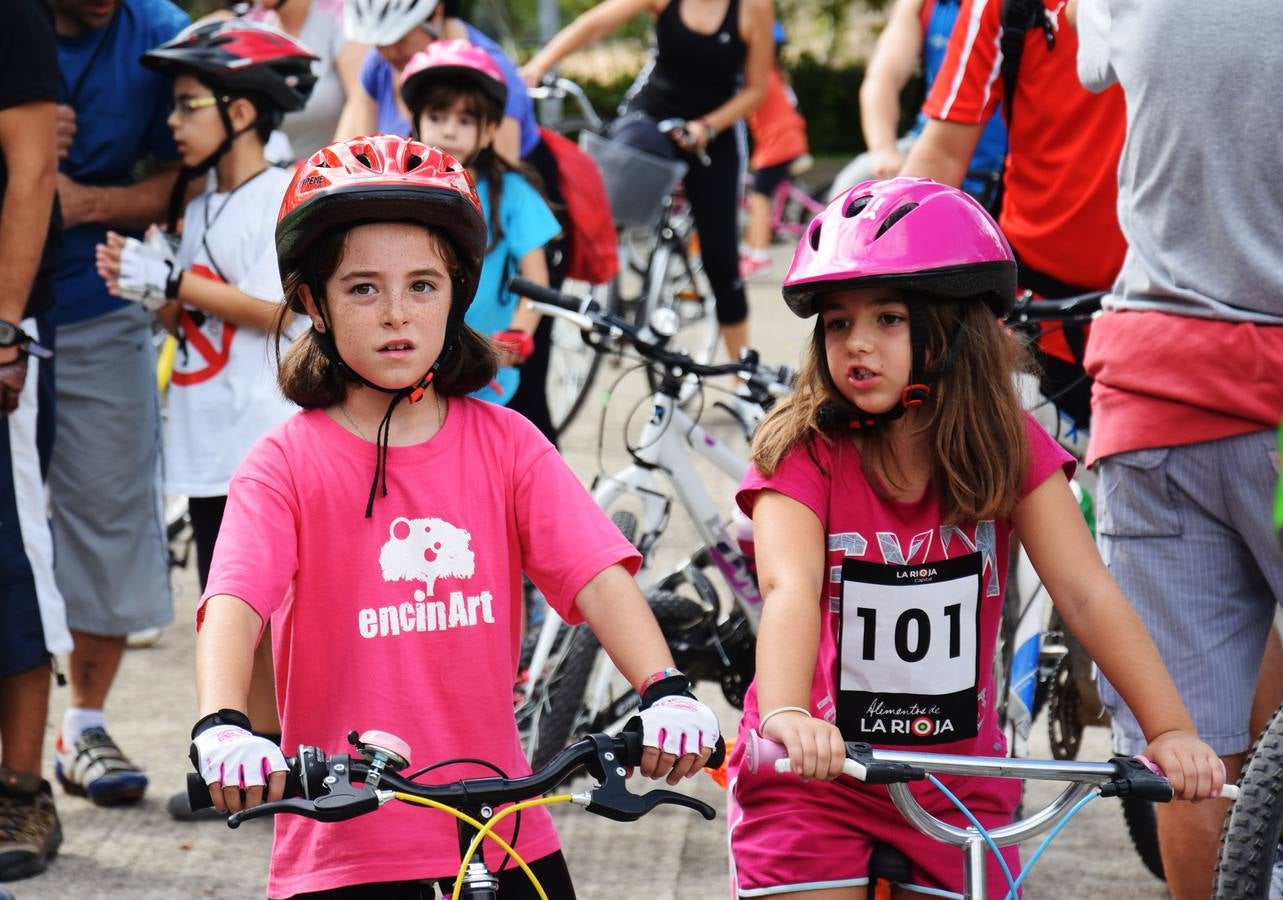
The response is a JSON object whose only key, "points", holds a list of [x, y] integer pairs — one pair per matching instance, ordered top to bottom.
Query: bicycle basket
{"points": [[636, 183]]}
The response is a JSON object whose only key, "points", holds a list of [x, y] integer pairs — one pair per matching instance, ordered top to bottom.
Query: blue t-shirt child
{"points": [[380, 81], [120, 120], [991, 149], [528, 224]]}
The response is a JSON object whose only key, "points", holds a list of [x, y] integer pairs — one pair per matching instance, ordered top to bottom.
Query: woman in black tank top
{"points": [[711, 67]]}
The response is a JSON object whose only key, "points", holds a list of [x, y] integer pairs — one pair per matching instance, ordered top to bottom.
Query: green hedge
{"points": [[828, 97]]}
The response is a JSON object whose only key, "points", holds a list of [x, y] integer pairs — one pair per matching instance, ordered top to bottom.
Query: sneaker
{"points": [[752, 267], [144, 638], [95, 768], [180, 808], [30, 832]]}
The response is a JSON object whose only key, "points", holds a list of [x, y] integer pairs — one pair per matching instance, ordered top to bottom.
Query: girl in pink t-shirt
{"points": [[884, 494], [396, 602]]}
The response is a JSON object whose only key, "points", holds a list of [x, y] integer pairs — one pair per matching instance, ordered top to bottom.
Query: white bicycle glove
{"points": [[148, 273], [679, 725], [232, 756]]}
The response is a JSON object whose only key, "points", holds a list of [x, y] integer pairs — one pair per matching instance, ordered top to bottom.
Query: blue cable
{"points": [[975, 823], [1052, 834], [1013, 885]]}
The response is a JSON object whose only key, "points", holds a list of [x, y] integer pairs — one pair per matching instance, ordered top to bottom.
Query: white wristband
{"points": [[761, 726]]}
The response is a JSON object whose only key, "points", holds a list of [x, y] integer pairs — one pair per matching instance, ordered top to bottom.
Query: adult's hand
{"points": [[532, 74], [65, 133], [886, 163], [75, 200], [13, 375]]}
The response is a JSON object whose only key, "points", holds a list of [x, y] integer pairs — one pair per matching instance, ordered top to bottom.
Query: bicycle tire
{"points": [[573, 364], [562, 699], [1142, 827], [1250, 839]]}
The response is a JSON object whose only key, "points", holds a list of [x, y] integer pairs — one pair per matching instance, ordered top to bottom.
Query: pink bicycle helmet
{"points": [[457, 61], [910, 233]]}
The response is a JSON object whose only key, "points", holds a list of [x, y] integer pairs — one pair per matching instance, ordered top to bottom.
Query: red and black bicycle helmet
{"points": [[241, 58], [458, 62], [384, 179]]}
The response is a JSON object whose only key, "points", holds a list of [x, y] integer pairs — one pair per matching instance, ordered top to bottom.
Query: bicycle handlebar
{"points": [[555, 86], [670, 127], [1078, 308], [588, 315], [1122, 776], [332, 789]]}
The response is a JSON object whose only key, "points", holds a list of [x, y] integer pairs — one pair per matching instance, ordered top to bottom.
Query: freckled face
{"points": [[389, 301]]}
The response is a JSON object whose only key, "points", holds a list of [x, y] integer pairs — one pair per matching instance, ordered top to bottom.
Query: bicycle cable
{"points": [[605, 405], [485, 764], [459, 814], [488, 831], [1013, 885]]}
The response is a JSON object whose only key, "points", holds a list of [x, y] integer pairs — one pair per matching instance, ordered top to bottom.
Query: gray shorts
{"points": [[1186, 532], [112, 562]]}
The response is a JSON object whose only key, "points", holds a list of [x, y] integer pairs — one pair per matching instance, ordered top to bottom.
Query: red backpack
{"points": [[594, 256]]}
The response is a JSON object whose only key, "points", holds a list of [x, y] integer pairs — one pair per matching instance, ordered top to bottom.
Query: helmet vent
{"points": [[365, 160], [413, 163], [856, 206], [899, 213], [814, 236]]}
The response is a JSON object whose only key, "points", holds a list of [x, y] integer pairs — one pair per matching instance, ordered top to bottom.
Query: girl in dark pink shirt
{"points": [[884, 495], [396, 601]]}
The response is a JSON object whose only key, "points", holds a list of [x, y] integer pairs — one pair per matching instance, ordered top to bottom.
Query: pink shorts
{"points": [[788, 836]]}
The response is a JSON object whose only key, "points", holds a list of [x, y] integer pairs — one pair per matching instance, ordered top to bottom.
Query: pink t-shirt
{"points": [[1164, 380], [913, 606], [407, 622]]}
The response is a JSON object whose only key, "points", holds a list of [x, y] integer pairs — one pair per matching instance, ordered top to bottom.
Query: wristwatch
{"points": [[13, 336]]}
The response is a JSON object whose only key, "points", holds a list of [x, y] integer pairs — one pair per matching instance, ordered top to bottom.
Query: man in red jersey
{"points": [[1060, 182]]}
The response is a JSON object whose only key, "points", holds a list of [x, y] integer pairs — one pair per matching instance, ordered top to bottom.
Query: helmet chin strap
{"points": [[178, 195], [412, 392], [843, 416]]}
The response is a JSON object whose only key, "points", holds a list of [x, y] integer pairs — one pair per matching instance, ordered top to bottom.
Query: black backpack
{"points": [[1018, 16]]}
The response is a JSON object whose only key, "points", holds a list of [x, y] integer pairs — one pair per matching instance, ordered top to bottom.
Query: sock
{"points": [[759, 254], [76, 721]]}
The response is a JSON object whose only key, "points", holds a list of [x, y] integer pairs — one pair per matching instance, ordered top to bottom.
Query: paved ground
{"points": [[672, 855]]}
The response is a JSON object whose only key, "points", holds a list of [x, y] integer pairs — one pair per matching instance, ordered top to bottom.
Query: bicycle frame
{"points": [[785, 191], [667, 442]]}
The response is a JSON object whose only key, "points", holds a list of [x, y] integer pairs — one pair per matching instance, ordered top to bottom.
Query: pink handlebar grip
{"points": [[760, 751], [1228, 791]]}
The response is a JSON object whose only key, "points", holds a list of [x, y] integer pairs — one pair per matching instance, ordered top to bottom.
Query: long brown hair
{"points": [[488, 165], [312, 380], [973, 423]]}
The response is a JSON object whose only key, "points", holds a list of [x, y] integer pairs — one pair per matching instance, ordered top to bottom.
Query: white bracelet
{"points": [[761, 726]]}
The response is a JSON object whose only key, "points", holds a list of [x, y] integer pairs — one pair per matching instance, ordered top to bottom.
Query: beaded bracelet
{"points": [[660, 676], [761, 726]]}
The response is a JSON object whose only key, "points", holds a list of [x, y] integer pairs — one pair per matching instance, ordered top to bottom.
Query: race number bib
{"points": [[907, 651]]}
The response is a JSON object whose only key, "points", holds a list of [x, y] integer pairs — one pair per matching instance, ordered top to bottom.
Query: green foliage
{"points": [[829, 98]]}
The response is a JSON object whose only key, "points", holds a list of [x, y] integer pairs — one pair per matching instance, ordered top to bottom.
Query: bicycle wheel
{"points": [[675, 280], [573, 364], [560, 702], [1142, 826], [1250, 855]]}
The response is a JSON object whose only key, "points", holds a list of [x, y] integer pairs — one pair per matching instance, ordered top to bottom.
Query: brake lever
{"points": [[611, 799], [343, 800], [637, 806]]}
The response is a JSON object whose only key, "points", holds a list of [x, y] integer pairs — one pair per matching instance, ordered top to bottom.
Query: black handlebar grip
{"points": [[542, 294], [197, 792]]}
